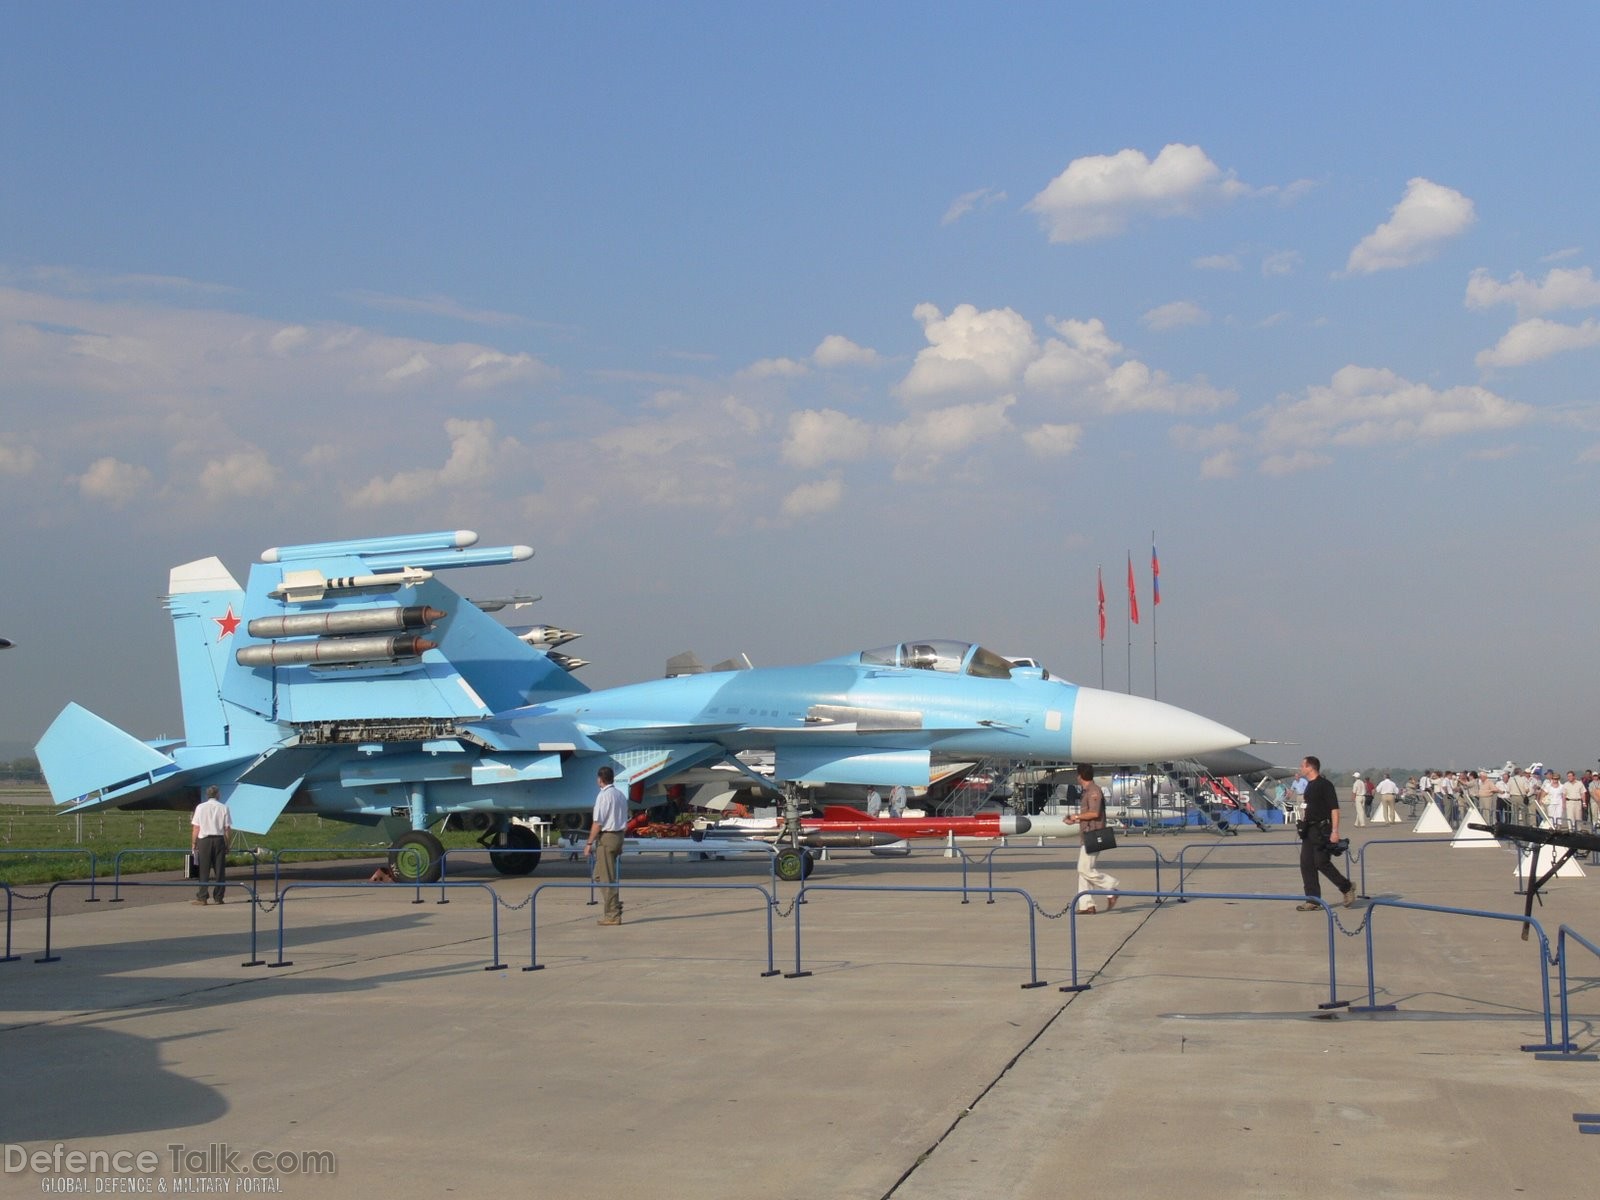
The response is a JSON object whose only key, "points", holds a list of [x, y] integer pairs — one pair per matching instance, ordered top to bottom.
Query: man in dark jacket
{"points": [[1319, 829]]}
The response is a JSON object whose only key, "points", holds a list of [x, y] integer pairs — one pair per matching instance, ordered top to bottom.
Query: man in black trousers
{"points": [[1319, 828]]}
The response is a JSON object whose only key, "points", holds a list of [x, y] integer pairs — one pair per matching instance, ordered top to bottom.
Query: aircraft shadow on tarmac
{"points": [[87, 1081]]}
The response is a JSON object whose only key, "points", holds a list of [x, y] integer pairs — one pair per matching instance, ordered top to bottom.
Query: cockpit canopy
{"points": [[955, 658]]}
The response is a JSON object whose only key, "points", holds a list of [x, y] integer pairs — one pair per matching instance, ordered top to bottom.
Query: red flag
{"points": [[1155, 574], [1100, 586], [1133, 595]]}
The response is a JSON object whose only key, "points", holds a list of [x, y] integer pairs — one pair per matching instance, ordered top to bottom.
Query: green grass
{"points": [[39, 845]]}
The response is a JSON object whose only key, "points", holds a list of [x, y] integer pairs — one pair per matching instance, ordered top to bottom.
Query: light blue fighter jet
{"points": [[345, 679]]}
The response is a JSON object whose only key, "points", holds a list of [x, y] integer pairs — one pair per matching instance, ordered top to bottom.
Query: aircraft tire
{"points": [[518, 837], [417, 857], [793, 866]]}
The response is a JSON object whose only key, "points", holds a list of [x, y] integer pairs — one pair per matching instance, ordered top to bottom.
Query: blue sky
{"points": [[794, 329]]}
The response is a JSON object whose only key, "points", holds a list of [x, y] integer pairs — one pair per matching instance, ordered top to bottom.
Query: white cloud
{"points": [[1097, 196], [968, 202], [1428, 215], [1281, 262], [1561, 288], [1176, 315], [1536, 338], [836, 350], [968, 351], [774, 368], [1134, 387], [1365, 406], [820, 436], [925, 440], [1053, 441], [477, 457], [16, 458], [1224, 464], [247, 473], [112, 481], [811, 499]]}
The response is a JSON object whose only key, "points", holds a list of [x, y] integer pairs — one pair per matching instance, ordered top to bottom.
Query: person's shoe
{"points": [[1350, 898], [1111, 902], [202, 903], [1307, 907], [1088, 912], [609, 921]]}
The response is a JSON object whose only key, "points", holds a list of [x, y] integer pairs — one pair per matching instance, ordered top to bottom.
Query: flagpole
{"points": [[1155, 587], [1100, 591], [1131, 603]]}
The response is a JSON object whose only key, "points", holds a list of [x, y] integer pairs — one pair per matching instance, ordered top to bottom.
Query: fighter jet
{"points": [[346, 679]]}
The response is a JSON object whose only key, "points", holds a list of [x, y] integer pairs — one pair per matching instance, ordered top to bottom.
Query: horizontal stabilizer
{"points": [[82, 753], [254, 808]]}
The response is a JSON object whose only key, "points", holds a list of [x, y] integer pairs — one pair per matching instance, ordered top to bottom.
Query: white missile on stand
{"points": [[303, 587]]}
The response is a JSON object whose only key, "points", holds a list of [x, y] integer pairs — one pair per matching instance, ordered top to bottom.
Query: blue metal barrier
{"points": [[687, 846], [362, 851], [89, 854], [1358, 854], [987, 859], [116, 865], [1183, 871], [1299, 898], [533, 909], [494, 911], [49, 913], [1033, 943], [10, 957], [1372, 1004], [1567, 1053]]}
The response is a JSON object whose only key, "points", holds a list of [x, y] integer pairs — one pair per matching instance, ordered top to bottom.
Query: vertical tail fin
{"points": [[205, 602]]}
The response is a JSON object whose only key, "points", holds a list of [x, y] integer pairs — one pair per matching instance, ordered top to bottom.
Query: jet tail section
{"points": [[81, 754]]}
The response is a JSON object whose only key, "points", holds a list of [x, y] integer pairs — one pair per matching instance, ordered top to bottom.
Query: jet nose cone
{"points": [[1112, 727]]}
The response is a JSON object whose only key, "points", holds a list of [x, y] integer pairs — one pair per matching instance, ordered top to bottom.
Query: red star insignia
{"points": [[226, 623]]}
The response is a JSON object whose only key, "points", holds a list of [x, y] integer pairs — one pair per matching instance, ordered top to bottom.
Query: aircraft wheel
{"points": [[574, 822], [518, 837], [417, 857], [794, 865]]}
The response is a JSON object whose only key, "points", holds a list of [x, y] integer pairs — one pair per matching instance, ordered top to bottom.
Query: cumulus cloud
{"points": [[1098, 195], [969, 202], [1428, 215], [1281, 262], [1561, 288], [1176, 315], [1537, 338], [836, 350], [968, 351], [1080, 365], [774, 368], [1365, 406], [820, 436], [925, 440], [1053, 441], [477, 457], [16, 458], [246, 473], [113, 482], [811, 499]]}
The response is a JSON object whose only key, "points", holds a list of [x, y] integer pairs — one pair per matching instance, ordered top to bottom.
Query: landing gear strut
{"points": [[794, 861]]}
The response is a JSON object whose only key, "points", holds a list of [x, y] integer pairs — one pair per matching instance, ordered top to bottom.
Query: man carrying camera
{"points": [[1319, 833]]}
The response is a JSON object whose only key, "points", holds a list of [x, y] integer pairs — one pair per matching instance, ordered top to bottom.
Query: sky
{"points": [[794, 329]]}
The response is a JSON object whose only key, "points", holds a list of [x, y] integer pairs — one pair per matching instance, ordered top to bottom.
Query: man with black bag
{"points": [[1091, 822], [1319, 832]]}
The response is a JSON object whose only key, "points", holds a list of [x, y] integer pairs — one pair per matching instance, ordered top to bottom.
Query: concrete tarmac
{"points": [[659, 1058]]}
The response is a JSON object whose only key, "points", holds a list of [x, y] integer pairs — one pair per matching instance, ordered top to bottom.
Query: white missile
{"points": [[302, 587], [544, 635]]}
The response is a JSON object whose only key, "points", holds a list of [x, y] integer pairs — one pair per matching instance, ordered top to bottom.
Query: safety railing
{"points": [[1358, 854], [986, 860], [94, 868], [1183, 870], [331, 885], [626, 885], [806, 889], [49, 910], [9, 957], [1333, 981], [1372, 1004], [1567, 1051]]}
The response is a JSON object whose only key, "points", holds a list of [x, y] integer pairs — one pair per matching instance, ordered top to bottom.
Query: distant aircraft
{"points": [[6, 643], [345, 679]]}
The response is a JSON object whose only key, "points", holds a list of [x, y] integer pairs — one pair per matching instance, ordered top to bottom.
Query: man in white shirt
{"points": [[1388, 789], [1358, 798], [210, 828], [605, 842]]}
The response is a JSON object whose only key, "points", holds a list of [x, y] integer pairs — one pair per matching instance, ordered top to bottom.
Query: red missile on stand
{"points": [[840, 827]]}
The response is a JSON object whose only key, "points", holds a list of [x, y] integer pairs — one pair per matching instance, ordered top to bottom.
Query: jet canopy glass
{"points": [[955, 658]]}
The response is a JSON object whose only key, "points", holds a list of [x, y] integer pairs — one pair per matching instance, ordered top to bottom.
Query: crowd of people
{"points": [[1520, 795]]}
